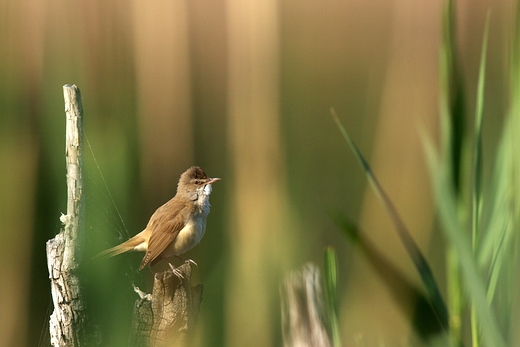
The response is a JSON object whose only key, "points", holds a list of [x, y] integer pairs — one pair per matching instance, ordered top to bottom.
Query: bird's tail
{"points": [[126, 246]]}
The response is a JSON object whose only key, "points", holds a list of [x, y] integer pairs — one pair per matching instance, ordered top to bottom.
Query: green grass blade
{"points": [[452, 97], [452, 121], [477, 152], [477, 168], [447, 206], [411, 247], [496, 252], [330, 278], [424, 320]]}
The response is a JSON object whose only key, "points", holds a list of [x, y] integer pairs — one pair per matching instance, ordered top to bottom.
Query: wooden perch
{"points": [[303, 309], [168, 316], [68, 323]]}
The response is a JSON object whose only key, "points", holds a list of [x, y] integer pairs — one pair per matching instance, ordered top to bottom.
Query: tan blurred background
{"points": [[243, 89]]}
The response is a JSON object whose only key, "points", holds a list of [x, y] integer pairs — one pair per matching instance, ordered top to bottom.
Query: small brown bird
{"points": [[175, 227]]}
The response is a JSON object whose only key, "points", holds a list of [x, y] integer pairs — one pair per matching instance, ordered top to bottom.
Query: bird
{"points": [[175, 227]]}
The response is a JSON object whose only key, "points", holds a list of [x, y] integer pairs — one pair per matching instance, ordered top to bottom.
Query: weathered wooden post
{"points": [[303, 309], [168, 316], [68, 323]]}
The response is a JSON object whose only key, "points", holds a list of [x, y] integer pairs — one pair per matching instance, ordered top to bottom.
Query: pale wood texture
{"points": [[303, 312], [168, 316], [68, 322]]}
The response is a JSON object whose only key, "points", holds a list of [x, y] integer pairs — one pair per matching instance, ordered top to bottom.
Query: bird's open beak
{"points": [[213, 180]]}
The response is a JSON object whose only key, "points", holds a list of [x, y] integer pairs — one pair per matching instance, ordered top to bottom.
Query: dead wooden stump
{"points": [[303, 310], [168, 316], [69, 324]]}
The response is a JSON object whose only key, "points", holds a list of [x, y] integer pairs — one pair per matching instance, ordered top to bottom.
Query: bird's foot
{"points": [[187, 261], [191, 261], [176, 272], [142, 294]]}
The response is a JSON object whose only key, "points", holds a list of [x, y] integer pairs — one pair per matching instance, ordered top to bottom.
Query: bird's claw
{"points": [[191, 261], [176, 272], [142, 294]]}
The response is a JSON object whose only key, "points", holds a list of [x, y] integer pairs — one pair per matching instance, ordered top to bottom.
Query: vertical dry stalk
{"points": [[68, 321], [303, 322]]}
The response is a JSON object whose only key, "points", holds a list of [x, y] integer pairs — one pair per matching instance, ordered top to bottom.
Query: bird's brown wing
{"points": [[164, 225]]}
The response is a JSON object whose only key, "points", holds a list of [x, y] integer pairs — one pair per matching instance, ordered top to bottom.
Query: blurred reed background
{"points": [[243, 89]]}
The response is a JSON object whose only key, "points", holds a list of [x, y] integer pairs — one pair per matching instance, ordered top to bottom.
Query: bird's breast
{"points": [[188, 237]]}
